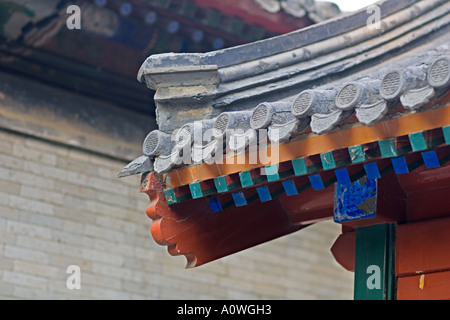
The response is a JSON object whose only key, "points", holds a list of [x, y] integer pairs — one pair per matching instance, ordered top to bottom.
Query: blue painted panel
{"points": [[431, 160], [400, 165], [372, 171], [272, 173], [343, 177], [316, 182], [290, 188], [264, 193], [239, 199], [355, 201], [215, 205]]}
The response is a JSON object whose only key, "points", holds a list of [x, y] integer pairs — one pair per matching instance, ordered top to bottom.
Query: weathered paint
{"points": [[432, 286]]}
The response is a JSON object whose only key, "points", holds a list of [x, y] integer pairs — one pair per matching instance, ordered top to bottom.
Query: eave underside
{"points": [[362, 124]]}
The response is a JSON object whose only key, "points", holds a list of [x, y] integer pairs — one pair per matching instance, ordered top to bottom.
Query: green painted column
{"points": [[374, 263]]}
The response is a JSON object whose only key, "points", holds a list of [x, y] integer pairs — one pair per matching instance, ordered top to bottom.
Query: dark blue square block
{"points": [[431, 160], [400, 165], [372, 171], [342, 176], [316, 182], [290, 188], [264, 194], [239, 199], [355, 201], [215, 205]]}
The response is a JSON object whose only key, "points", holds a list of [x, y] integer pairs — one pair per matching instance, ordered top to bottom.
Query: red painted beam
{"points": [[423, 247], [343, 250], [432, 286]]}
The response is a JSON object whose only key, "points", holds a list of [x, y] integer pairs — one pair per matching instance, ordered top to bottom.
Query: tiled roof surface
{"points": [[315, 10], [341, 72], [346, 106]]}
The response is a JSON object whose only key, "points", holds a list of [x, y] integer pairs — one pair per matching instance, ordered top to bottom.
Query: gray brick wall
{"points": [[60, 206]]}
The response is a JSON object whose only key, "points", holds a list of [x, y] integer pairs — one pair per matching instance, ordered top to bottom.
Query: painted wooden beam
{"points": [[422, 247], [343, 250], [432, 286]]}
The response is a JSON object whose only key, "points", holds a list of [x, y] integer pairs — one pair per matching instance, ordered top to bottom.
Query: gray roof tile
{"points": [[310, 86]]}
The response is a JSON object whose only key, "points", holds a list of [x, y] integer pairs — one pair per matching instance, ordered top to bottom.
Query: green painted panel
{"points": [[446, 131], [417, 141], [387, 148], [357, 154], [328, 161], [299, 166], [272, 173], [246, 179], [221, 184], [196, 190], [171, 198], [374, 263]]}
